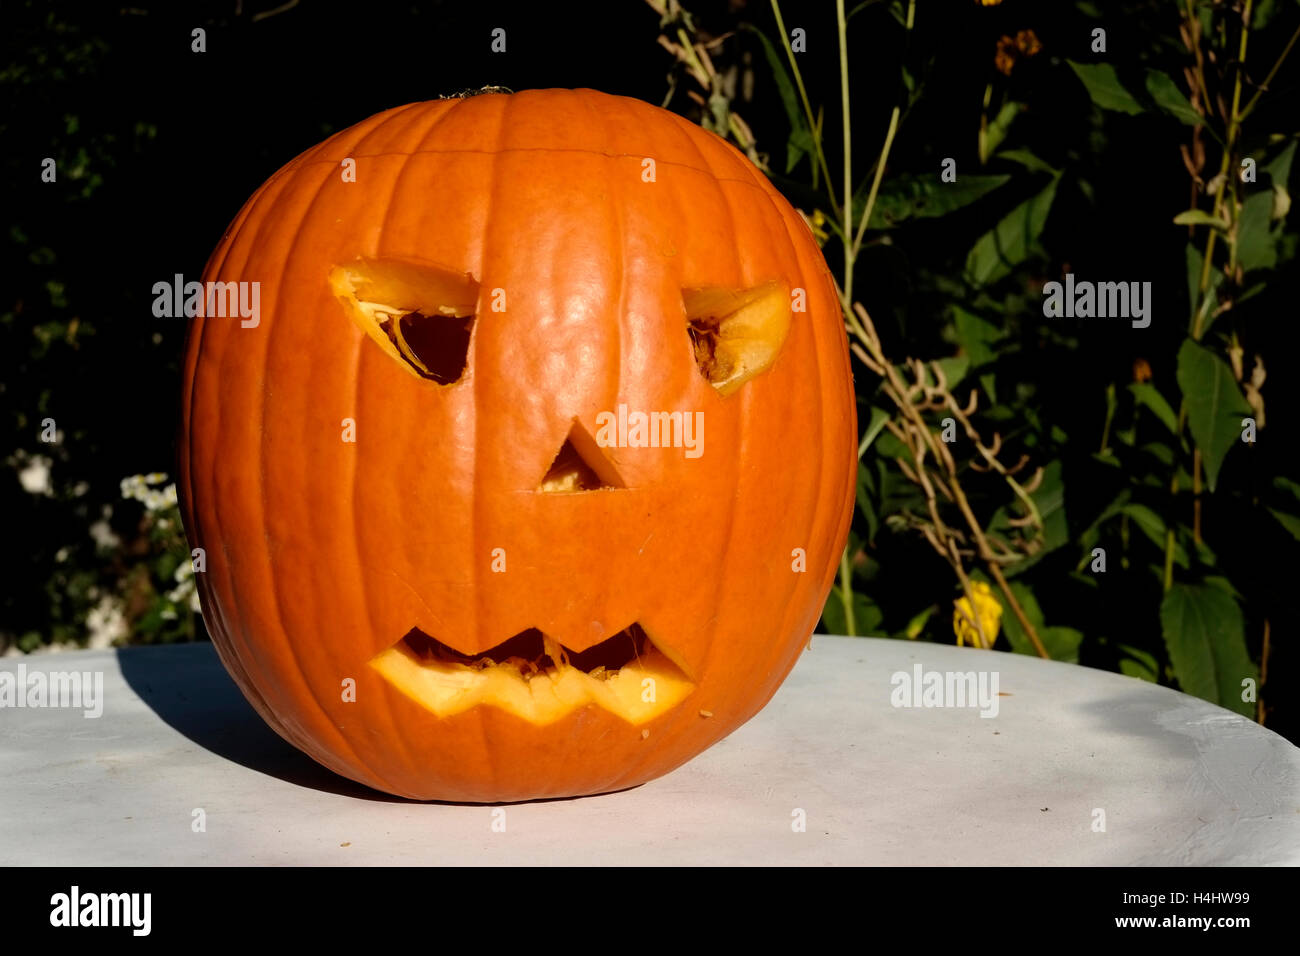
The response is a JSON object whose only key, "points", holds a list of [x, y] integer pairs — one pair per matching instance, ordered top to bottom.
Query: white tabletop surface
{"points": [[1172, 779]]}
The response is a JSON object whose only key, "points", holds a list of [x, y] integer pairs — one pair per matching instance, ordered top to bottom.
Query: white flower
{"points": [[35, 478], [142, 488], [104, 535], [185, 590], [106, 622]]}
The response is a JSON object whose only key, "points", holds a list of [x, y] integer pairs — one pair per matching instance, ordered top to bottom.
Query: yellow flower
{"points": [[988, 3], [1024, 43], [1028, 43], [817, 223], [990, 616]]}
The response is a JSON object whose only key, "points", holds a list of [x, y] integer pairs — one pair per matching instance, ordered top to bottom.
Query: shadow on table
{"points": [[188, 688]]}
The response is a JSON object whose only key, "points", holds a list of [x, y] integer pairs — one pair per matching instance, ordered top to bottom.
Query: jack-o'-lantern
{"points": [[532, 472]]}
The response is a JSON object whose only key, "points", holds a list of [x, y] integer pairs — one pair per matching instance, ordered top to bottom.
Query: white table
{"points": [[1179, 781]]}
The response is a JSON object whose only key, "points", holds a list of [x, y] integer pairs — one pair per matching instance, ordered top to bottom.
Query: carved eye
{"points": [[420, 315], [736, 333]]}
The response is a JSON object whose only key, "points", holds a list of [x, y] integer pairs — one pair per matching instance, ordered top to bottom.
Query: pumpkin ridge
{"points": [[334, 161], [261, 203], [271, 218], [739, 434]]}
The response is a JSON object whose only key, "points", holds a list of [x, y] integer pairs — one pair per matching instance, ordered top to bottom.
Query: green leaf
{"points": [[1265, 10], [785, 87], [1105, 88], [1170, 98], [997, 130], [799, 144], [1028, 160], [1279, 172], [906, 196], [1199, 217], [1010, 242], [1256, 242], [1194, 263], [974, 335], [954, 370], [1146, 394], [1215, 407], [874, 426], [888, 446], [1163, 454], [1107, 457], [1288, 486], [1049, 499], [866, 504], [1111, 511], [1290, 522], [1153, 526], [1223, 584], [866, 614], [917, 623], [1015, 634], [1205, 636], [1061, 643], [1138, 663]]}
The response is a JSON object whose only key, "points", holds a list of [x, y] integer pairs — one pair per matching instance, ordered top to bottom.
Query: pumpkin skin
{"points": [[322, 554]]}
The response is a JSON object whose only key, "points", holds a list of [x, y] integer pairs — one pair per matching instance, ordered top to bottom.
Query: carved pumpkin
{"points": [[532, 474]]}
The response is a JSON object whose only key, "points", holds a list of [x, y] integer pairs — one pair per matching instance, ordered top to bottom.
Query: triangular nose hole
{"points": [[580, 466]]}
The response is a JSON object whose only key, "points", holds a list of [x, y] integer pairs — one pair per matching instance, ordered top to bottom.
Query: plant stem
{"points": [[1268, 79], [813, 125], [1225, 171], [875, 182], [852, 246], [846, 593], [1019, 612]]}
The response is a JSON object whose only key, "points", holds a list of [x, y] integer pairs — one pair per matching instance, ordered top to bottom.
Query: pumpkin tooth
{"points": [[552, 648]]}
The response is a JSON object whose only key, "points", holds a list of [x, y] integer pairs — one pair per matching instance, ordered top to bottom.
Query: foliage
{"points": [[1125, 551]]}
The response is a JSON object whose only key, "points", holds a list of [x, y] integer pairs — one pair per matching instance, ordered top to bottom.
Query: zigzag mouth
{"points": [[531, 652], [533, 676]]}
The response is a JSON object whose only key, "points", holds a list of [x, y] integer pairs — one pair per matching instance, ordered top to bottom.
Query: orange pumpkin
{"points": [[532, 474]]}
